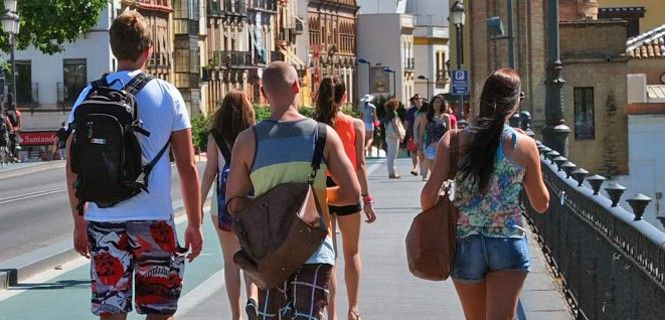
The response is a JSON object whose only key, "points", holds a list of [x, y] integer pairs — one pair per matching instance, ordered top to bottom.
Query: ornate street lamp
{"points": [[457, 18], [10, 25], [369, 67], [388, 70], [429, 90], [555, 133]]}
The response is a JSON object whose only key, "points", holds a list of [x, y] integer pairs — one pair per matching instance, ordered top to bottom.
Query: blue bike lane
{"points": [[67, 294]]}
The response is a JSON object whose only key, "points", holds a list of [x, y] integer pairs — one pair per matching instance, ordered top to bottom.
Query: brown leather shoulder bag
{"points": [[279, 230], [431, 241]]}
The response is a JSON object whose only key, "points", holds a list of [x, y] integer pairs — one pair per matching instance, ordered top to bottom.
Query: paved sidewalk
{"points": [[388, 290]]}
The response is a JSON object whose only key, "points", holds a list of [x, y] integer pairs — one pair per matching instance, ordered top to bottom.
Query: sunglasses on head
{"points": [[522, 96]]}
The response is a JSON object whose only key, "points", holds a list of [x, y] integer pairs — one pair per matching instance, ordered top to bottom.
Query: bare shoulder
{"points": [[358, 125]]}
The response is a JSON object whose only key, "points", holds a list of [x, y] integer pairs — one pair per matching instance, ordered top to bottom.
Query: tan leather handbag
{"points": [[279, 230], [431, 241]]}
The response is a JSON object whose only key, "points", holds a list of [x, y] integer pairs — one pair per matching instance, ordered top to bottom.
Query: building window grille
{"points": [[74, 77], [584, 113]]}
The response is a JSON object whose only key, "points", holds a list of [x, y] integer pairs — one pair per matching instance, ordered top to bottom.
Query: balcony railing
{"points": [[266, 5], [235, 7], [300, 28], [231, 59], [410, 63], [28, 95], [611, 262]]}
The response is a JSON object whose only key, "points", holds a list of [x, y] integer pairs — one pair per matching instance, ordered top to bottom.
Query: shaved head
{"points": [[279, 78]]}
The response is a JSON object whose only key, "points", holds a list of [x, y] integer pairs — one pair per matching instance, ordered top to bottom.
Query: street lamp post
{"points": [[458, 16], [10, 25], [369, 67], [389, 70], [429, 91], [555, 134]]}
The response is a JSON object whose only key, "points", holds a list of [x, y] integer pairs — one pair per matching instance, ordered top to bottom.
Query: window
{"points": [[75, 78], [24, 82], [584, 117]]}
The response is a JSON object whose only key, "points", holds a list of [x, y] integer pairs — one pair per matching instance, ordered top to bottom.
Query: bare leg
{"points": [[369, 138], [421, 158], [414, 160], [349, 225], [230, 245], [503, 291], [472, 296], [332, 301]]}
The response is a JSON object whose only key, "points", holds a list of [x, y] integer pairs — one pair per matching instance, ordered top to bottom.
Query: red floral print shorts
{"points": [[146, 252]]}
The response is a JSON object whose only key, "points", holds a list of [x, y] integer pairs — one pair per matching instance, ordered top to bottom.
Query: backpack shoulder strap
{"points": [[101, 82], [137, 83], [319, 146], [223, 148]]}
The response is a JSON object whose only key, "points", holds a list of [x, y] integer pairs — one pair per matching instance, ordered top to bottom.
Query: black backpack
{"points": [[4, 131], [106, 154]]}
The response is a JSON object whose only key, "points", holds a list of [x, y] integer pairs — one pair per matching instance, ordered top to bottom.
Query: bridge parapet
{"points": [[612, 262]]}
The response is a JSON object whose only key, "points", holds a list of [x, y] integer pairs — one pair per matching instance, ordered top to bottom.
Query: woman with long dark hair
{"points": [[330, 96], [233, 116], [420, 121], [435, 125], [496, 163]]}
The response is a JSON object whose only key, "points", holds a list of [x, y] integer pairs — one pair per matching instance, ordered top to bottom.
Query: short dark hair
{"points": [[130, 36]]}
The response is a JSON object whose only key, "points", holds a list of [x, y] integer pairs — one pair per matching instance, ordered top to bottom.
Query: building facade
{"points": [[642, 15], [261, 27], [290, 27], [332, 42], [388, 44], [431, 46], [186, 52], [227, 58], [594, 68]]}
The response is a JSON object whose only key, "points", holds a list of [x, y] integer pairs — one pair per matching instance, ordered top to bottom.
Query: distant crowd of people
{"points": [[137, 260]]}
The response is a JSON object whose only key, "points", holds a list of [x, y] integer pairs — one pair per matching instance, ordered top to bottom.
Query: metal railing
{"points": [[231, 58], [611, 262]]}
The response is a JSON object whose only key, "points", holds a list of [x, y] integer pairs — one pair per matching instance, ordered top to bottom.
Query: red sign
{"points": [[38, 138]]}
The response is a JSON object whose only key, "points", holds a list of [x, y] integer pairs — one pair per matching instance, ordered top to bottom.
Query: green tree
{"points": [[47, 25]]}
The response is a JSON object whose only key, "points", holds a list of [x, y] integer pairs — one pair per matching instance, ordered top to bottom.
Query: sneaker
{"points": [[394, 176], [252, 309]]}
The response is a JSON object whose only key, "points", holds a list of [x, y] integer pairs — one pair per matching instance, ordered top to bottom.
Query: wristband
{"points": [[368, 199]]}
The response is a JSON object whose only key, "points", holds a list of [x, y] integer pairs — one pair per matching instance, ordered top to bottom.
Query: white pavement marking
{"points": [[31, 195], [66, 267], [44, 277], [201, 292]]}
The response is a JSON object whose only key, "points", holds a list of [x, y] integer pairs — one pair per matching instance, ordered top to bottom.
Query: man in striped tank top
{"points": [[279, 150]]}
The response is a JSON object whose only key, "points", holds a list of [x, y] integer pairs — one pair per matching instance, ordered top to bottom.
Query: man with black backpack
{"points": [[15, 119], [61, 141], [119, 181]]}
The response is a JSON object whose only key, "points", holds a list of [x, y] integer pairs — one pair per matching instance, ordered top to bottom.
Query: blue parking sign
{"points": [[460, 84]]}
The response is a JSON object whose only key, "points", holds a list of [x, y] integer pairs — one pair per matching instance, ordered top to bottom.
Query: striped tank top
{"points": [[284, 152]]}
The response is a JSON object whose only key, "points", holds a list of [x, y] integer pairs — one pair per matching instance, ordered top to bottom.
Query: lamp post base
{"points": [[556, 137]]}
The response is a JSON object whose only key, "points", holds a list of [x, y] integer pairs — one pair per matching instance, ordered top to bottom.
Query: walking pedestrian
{"points": [[330, 95], [233, 116], [453, 117], [16, 119], [370, 119], [419, 122], [435, 125], [394, 136], [61, 141], [411, 146], [279, 150], [496, 164], [132, 244]]}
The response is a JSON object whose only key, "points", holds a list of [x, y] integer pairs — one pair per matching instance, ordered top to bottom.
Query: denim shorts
{"points": [[477, 255]]}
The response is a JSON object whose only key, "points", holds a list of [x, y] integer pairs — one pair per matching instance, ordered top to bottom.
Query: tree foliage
{"points": [[47, 25]]}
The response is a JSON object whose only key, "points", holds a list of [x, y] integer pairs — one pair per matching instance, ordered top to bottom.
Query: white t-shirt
{"points": [[162, 110]]}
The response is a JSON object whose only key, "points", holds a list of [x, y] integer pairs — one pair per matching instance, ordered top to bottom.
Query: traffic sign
{"points": [[460, 82]]}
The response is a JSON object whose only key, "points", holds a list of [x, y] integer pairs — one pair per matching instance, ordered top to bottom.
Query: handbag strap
{"points": [[319, 145], [223, 148], [454, 154]]}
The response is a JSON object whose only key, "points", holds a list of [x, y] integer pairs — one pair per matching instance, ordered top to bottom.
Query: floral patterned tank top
{"points": [[497, 213]]}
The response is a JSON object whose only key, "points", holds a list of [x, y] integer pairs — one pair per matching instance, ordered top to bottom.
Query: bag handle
{"points": [[319, 145], [454, 154]]}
